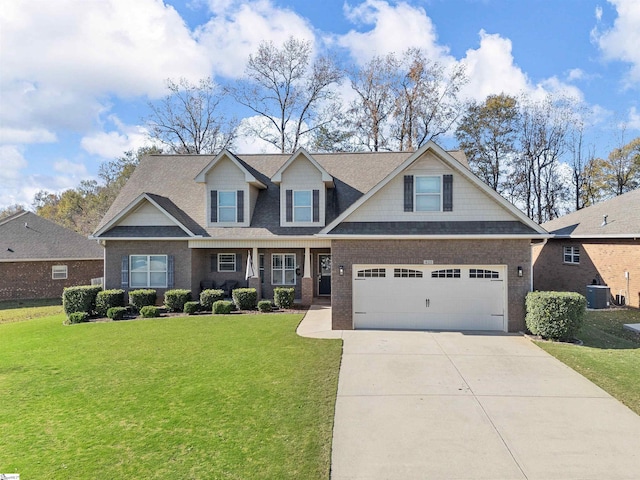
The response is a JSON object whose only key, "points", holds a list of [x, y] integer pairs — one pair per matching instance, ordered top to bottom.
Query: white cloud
{"points": [[598, 13], [621, 41], [634, 119], [33, 135], [112, 144], [12, 162], [71, 169]]}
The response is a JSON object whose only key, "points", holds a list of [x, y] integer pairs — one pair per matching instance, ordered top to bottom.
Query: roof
{"points": [[623, 219], [26, 236]]}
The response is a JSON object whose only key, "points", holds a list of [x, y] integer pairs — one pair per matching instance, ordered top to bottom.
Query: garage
{"points": [[430, 297]]}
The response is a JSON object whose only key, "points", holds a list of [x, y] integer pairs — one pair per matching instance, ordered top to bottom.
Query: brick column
{"points": [[254, 282], [307, 290]]}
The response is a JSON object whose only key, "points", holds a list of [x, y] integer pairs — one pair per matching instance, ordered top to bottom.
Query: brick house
{"points": [[408, 240], [598, 244], [38, 258]]}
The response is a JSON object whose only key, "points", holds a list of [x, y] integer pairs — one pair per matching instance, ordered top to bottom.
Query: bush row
{"points": [[555, 315]]}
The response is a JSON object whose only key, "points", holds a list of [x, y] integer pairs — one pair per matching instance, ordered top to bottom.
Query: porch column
{"points": [[307, 262], [307, 280], [254, 281]]}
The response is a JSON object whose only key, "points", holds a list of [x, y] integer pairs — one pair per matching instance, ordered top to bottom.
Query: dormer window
{"points": [[227, 206], [302, 206]]}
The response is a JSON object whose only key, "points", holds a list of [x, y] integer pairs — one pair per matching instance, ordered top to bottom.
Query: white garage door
{"points": [[433, 297]]}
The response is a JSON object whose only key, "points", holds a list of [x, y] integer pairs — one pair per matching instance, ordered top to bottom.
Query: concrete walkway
{"points": [[445, 405]]}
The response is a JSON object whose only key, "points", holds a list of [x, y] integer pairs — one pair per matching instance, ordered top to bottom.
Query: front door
{"points": [[324, 274]]}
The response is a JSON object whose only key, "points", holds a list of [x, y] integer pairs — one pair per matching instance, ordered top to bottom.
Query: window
{"points": [[428, 194], [302, 206], [227, 207], [572, 255], [226, 262], [261, 268], [283, 269], [148, 271], [59, 272], [372, 273], [406, 273], [448, 273], [480, 273]]}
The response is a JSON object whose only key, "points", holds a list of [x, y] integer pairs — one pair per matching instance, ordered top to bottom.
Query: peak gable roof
{"points": [[248, 176], [326, 177]]}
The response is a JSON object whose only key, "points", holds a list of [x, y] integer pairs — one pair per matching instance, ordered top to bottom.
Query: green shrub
{"points": [[208, 297], [283, 297], [142, 298], [245, 298], [80, 299], [107, 299], [174, 300], [265, 306], [191, 307], [222, 307], [150, 311], [116, 313], [555, 315], [78, 317]]}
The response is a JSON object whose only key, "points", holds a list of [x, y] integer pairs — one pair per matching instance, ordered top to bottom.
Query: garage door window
{"points": [[372, 273], [406, 273], [447, 273], [480, 273]]}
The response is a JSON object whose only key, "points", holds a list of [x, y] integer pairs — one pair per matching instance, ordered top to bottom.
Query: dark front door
{"points": [[324, 274]]}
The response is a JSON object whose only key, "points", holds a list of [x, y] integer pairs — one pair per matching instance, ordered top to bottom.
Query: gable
{"points": [[225, 174], [145, 215]]}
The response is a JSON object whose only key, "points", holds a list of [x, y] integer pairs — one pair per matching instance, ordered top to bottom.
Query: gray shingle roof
{"points": [[623, 218], [434, 228], [41, 239]]}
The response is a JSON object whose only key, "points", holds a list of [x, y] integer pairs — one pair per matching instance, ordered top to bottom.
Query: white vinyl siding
{"points": [[225, 176], [302, 177], [572, 255], [226, 262], [283, 269], [148, 271], [59, 272]]}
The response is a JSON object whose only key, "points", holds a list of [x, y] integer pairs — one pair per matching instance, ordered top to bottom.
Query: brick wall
{"points": [[512, 253], [606, 259], [22, 280]]}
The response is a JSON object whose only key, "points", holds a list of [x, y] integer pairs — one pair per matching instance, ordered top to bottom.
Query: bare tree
{"points": [[291, 93], [190, 119], [584, 167], [11, 210]]}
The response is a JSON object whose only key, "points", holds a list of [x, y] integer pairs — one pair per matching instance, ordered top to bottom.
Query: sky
{"points": [[76, 76]]}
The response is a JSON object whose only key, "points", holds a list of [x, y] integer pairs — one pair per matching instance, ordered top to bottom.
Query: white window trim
{"points": [[415, 193], [235, 206], [310, 206], [572, 254], [235, 259], [284, 269], [56, 270], [149, 271]]}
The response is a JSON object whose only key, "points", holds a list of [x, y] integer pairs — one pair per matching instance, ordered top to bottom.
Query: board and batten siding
{"points": [[301, 174], [225, 175], [469, 202], [146, 214]]}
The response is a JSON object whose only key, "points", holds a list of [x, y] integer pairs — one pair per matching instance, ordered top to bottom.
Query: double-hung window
{"points": [[428, 193], [227, 206], [302, 206], [572, 255], [226, 262], [283, 269], [148, 271], [59, 272]]}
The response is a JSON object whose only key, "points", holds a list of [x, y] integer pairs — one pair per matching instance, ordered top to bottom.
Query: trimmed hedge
{"points": [[209, 297], [283, 297], [142, 298], [245, 298], [80, 299], [107, 299], [175, 299], [265, 306], [191, 307], [222, 307], [150, 311], [116, 313], [555, 315], [78, 317]]}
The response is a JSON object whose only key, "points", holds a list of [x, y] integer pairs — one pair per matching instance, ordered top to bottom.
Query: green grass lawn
{"points": [[20, 310], [610, 356], [203, 397]]}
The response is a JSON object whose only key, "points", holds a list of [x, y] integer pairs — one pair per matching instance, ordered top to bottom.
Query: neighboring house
{"points": [[407, 240], [599, 244], [38, 258]]}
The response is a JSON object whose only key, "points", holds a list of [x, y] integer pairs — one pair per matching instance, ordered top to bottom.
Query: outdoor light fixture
{"points": [[341, 270], [519, 271]]}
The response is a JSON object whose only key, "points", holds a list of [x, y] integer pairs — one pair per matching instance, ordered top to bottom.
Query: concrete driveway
{"points": [[444, 405]]}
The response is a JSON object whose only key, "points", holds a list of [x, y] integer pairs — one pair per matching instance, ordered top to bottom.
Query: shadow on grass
{"points": [[45, 302], [604, 329]]}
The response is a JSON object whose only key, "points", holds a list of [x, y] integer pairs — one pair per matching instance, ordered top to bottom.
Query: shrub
{"points": [[208, 297], [283, 297], [142, 298], [245, 298], [80, 299], [107, 299], [174, 300], [265, 306], [191, 307], [222, 307], [150, 311], [116, 313], [555, 315], [78, 317]]}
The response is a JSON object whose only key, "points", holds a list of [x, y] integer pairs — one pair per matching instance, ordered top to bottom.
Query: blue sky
{"points": [[76, 75]]}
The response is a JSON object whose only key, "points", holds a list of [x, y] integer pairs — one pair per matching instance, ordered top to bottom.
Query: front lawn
{"points": [[20, 310], [610, 356], [215, 397]]}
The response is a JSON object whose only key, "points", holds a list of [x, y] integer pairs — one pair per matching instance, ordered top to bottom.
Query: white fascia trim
{"points": [[248, 177], [326, 177], [633, 236], [432, 237], [173, 239], [4, 260]]}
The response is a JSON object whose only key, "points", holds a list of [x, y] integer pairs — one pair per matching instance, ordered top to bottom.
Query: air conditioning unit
{"points": [[598, 296]]}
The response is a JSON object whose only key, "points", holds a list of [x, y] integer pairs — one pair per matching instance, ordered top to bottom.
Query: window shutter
{"points": [[408, 193], [447, 193], [289, 205], [316, 205], [214, 206], [240, 206], [238, 262], [214, 263], [170, 271], [124, 280]]}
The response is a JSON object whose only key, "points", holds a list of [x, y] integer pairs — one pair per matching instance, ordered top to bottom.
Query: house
{"points": [[409, 240], [599, 244], [38, 258]]}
